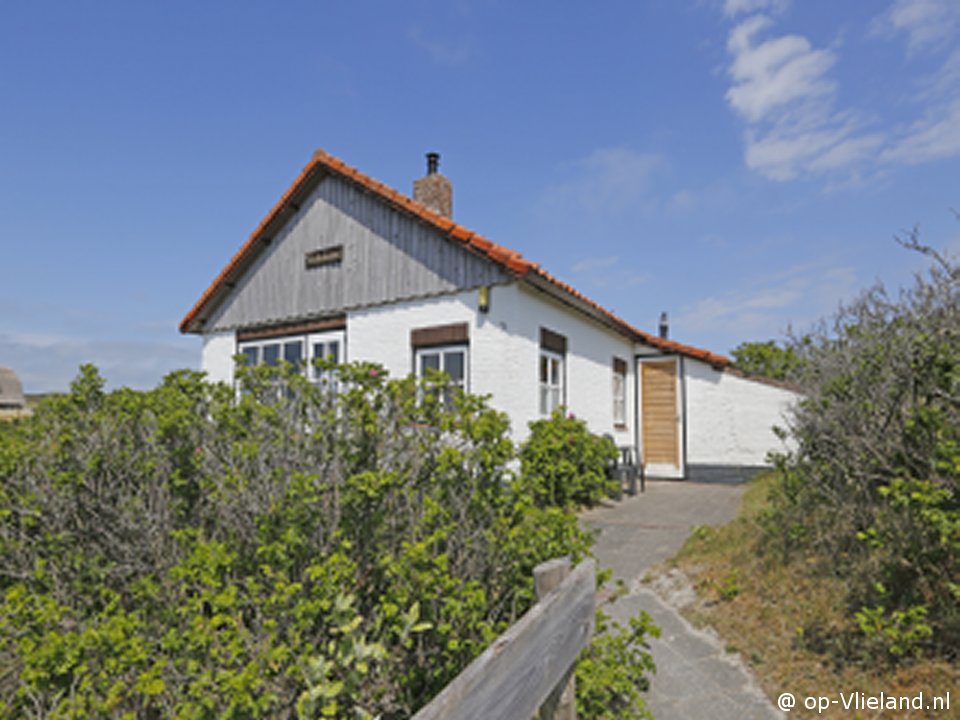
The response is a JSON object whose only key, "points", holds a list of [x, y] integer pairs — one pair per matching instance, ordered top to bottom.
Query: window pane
{"points": [[333, 351], [293, 352], [271, 354], [251, 355], [429, 361], [453, 363], [544, 365], [554, 371], [554, 398], [544, 401]]}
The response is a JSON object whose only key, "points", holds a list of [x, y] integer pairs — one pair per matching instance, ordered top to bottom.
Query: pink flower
{"points": [[374, 372], [571, 416], [198, 451]]}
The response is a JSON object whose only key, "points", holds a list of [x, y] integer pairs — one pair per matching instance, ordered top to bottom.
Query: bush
{"points": [[562, 464], [872, 488], [198, 552]]}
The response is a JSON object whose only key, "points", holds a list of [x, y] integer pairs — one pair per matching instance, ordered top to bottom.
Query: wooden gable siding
{"points": [[387, 256]]}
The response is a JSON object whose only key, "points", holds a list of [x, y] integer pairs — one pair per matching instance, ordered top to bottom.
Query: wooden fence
{"points": [[528, 671]]}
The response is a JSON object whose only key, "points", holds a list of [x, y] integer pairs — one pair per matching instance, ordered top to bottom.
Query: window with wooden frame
{"points": [[299, 344], [443, 348], [553, 352], [619, 393]]}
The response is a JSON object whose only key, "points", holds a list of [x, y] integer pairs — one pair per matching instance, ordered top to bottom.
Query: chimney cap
{"points": [[433, 162], [664, 326]]}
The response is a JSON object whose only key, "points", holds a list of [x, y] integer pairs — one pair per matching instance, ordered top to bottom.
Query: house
{"points": [[347, 268], [11, 391]]}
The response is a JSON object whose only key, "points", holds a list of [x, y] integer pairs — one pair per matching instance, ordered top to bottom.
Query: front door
{"points": [[661, 418]]}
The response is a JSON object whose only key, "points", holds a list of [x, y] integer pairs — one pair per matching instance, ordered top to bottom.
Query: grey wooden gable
{"points": [[387, 256]]}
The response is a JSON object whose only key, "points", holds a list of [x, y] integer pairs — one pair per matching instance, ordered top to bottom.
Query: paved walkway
{"points": [[696, 677]]}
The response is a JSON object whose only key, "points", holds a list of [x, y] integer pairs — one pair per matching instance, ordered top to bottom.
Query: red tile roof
{"points": [[510, 260]]}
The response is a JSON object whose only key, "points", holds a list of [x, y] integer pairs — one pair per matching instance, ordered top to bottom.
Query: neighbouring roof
{"points": [[322, 163], [11, 391]]}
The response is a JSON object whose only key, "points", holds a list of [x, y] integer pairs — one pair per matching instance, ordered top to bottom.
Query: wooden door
{"points": [[661, 445]]}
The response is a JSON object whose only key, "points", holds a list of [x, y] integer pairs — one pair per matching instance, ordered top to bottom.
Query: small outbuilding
{"points": [[11, 391]]}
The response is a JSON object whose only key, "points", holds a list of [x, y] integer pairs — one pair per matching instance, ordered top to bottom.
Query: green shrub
{"points": [[562, 464], [873, 487], [196, 551]]}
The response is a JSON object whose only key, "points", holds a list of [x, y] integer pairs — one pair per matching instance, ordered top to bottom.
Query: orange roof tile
{"points": [[508, 259]]}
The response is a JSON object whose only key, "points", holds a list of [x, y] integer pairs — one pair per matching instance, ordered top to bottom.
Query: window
{"points": [[325, 346], [444, 348], [299, 351], [269, 352], [553, 353], [451, 360], [551, 381], [619, 393]]}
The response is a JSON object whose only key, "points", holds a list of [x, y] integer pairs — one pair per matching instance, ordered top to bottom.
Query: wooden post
{"points": [[562, 702]]}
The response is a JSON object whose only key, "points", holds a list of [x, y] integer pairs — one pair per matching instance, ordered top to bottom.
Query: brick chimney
{"points": [[434, 190]]}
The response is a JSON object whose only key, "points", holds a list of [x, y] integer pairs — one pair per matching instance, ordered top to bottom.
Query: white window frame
{"points": [[326, 338], [281, 342], [308, 343], [441, 351], [619, 382], [551, 388]]}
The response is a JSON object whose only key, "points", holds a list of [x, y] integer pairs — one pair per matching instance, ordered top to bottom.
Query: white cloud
{"points": [[737, 7], [926, 23], [442, 52], [775, 73], [782, 87], [936, 136], [608, 180], [591, 264], [607, 272], [767, 307], [49, 362]]}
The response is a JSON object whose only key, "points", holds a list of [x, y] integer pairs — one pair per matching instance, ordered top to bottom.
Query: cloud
{"points": [[732, 8], [926, 23], [442, 52], [775, 73], [782, 88], [936, 136], [608, 180], [592, 264], [607, 272], [768, 306], [49, 362]]}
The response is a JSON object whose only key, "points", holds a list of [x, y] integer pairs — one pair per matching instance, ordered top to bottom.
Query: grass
{"points": [[785, 619]]}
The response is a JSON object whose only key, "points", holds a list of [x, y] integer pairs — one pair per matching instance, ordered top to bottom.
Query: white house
{"points": [[346, 267]]}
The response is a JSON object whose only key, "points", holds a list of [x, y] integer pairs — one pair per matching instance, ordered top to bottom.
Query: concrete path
{"points": [[696, 677]]}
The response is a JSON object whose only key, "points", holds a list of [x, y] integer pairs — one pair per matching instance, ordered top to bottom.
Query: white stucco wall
{"points": [[505, 351], [216, 357], [730, 418]]}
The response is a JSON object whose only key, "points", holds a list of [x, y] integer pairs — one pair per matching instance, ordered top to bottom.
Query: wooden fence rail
{"points": [[531, 664]]}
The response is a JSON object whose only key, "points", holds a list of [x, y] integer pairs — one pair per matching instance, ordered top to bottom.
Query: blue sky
{"points": [[741, 164]]}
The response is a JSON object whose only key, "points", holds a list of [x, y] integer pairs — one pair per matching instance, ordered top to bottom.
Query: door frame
{"points": [[663, 470]]}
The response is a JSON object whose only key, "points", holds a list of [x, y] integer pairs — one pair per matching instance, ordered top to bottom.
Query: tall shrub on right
{"points": [[873, 488]]}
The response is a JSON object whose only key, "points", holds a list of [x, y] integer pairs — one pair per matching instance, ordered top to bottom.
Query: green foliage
{"points": [[767, 359], [562, 464], [873, 487], [275, 549], [613, 672]]}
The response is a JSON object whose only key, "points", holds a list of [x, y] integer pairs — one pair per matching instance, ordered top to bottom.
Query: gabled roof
{"points": [[322, 164]]}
